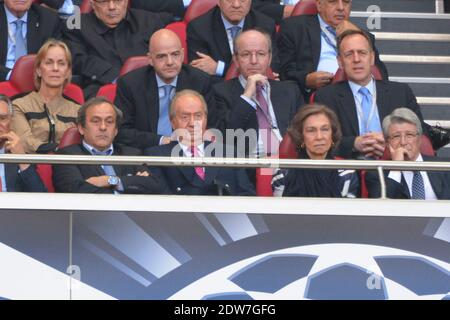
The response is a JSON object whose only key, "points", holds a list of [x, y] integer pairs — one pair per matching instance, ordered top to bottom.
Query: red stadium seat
{"points": [[86, 7], [304, 7], [198, 8], [179, 28], [133, 63], [21, 81], [108, 91], [71, 136], [287, 149], [45, 172]]}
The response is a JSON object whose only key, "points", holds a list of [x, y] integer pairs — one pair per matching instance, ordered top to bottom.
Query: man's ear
{"points": [[80, 129]]}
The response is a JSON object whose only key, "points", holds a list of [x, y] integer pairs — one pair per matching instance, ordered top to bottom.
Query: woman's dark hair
{"points": [[297, 124]]}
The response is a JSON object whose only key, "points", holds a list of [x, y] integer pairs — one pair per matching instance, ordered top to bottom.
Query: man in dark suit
{"points": [[36, 23], [108, 37], [210, 37], [307, 45], [142, 97], [241, 101], [361, 102], [188, 115], [98, 124], [403, 132], [13, 177]]}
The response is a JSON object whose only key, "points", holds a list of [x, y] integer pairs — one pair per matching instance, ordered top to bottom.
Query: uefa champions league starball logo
{"points": [[326, 271]]}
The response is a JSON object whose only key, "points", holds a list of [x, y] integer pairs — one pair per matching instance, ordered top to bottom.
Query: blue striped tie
{"points": [[20, 45], [164, 125]]}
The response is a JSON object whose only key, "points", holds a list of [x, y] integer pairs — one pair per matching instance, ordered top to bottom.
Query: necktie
{"points": [[234, 30], [332, 31], [330, 41], [20, 45], [366, 105], [264, 122], [164, 126], [108, 169], [198, 170], [418, 189]]}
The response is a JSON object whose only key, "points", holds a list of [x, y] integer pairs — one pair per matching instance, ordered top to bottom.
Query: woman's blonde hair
{"points": [[41, 55]]}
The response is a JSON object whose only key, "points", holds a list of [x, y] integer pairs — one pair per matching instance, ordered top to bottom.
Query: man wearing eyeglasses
{"points": [[108, 37], [210, 37], [308, 48], [253, 101], [361, 102], [403, 132]]}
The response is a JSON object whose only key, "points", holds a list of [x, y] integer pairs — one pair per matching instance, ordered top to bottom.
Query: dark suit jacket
{"points": [[55, 4], [176, 7], [271, 8], [42, 24], [207, 34], [299, 46], [96, 59], [137, 97], [339, 97], [233, 112], [72, 178], [184, 180], [25, 181], [440, 182]]}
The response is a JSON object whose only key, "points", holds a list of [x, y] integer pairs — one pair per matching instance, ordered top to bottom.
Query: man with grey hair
{"points": [[188, 116], [98, 122], [402, 130], [13, 177]]}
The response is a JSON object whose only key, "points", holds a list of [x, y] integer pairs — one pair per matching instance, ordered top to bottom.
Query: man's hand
{"points": [[287, 11], [344, 26], [205, 63], [318, 79], [252, 82], [166, 140], [13, 144], [370, 144], [398, 154], [143, 173], [100, 181]]}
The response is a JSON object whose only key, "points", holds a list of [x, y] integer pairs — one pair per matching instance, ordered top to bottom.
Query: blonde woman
{"points": [[42, 116]]}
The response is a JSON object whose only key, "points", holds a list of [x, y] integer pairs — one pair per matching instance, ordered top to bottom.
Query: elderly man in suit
{"points": [[24, 27], [210, 37], [107, 38], [307, 45], [144, 95], [252, 101], [361, 102], [188, 115], [97, 122], [403, 132], [13, 177]]}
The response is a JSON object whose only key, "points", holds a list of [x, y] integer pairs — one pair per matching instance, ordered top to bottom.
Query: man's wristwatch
{"points": [[113, 181]]}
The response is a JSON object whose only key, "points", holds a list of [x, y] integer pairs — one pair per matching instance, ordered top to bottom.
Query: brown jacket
{"points": [[32, 119]]}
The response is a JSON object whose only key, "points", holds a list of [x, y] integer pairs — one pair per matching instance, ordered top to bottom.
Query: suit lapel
{"points": [[33, 31], [314, 34], [3, 35], [220, 35], [382, 99], [152, 100], [347, 105], [279, 108], [96, 170], [210, 172]]}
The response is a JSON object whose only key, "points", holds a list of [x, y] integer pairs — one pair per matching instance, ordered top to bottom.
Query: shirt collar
{"points": [[12, 18], [323, 24], [228, 25], [102, 28], [161, 83], [355, 87], [186, 149], [2, 150], [92, 150], [419, 158]]}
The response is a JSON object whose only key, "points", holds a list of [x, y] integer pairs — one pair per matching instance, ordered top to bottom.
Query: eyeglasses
{"points": [[104, 3], [247, 55], [397, 137]]}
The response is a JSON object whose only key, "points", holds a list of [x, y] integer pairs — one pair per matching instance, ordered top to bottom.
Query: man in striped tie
{"points": [[403, 132]]}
